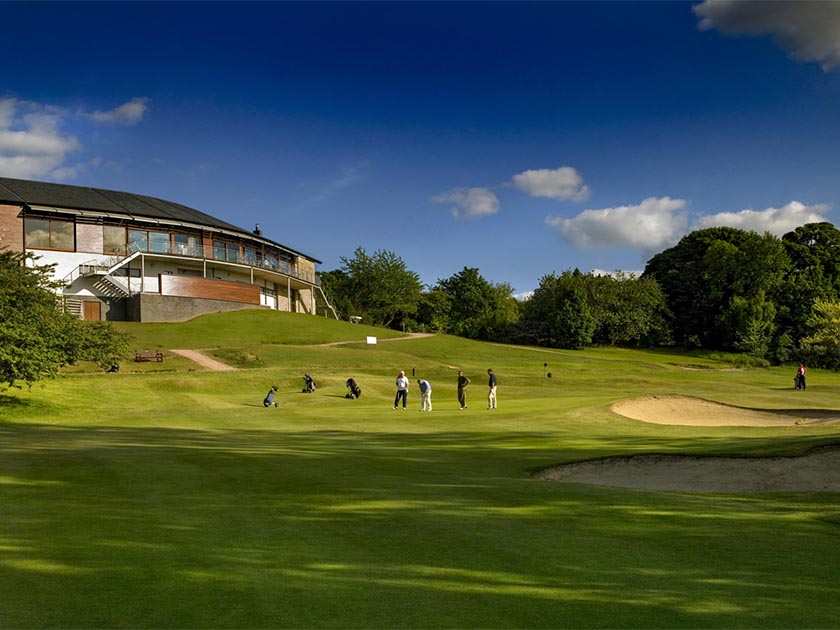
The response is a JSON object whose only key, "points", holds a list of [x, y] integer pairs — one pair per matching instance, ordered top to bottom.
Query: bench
{"points": [[148, 355]]}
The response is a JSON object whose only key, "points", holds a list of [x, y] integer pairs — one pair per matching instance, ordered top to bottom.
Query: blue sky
{"points": [[519, 138]]}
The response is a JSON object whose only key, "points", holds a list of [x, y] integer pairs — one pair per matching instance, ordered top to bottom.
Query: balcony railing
{"points": [[209, 252]]}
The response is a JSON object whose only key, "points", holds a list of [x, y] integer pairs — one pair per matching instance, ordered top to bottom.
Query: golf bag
{"points": [[799, 381], [310, 384], [355, 390]]}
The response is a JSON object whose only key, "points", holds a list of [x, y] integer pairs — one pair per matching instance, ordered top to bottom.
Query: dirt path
{"points": [[203, 360]]}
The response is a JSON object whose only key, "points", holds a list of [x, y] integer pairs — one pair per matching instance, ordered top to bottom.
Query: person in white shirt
{"points": [[402, 390]]}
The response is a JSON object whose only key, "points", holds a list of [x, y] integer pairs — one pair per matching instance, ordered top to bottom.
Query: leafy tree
{"points": [[814, 252], [706, 270], [380, 288], [338, 289], [478, 309], [434, 310], [627, 310], [557, 314], [752, 319], [826, 324], [36, 337]]}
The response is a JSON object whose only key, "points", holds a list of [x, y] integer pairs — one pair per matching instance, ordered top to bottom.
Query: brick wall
{"points": [[11, 228]]}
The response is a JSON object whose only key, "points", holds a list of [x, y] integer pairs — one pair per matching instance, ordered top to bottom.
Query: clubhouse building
{"points": [[130, 257]]}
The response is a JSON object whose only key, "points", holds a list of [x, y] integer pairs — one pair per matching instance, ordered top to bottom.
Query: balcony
{"points": [[212, 253]]}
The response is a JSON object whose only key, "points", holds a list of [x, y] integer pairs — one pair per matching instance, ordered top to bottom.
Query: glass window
{"points": [[37, 232], [50, 233], [113, 238], [138, 240], [159, 242], [185, 245], [219, 250], [233, 252], [250, 255]]}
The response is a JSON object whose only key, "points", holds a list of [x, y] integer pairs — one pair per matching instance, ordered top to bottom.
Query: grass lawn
{"points": [[173, 499]]}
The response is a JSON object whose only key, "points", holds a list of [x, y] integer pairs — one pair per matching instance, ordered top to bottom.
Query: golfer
{"points": [[463, 381], [402, 390], [491, 394], [425, 395]]}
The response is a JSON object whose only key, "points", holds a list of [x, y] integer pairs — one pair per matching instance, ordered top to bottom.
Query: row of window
{"points": [[56, 234]]}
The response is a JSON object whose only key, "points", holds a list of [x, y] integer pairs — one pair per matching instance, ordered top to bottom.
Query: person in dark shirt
{"points": [[463, 381], [491, 395]]}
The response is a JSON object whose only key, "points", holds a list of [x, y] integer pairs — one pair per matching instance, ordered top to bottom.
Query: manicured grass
{"points": [[176, 500]]}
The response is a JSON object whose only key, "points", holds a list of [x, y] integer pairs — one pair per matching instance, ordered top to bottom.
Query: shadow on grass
{"points": [[13, 401], [123, 527]]}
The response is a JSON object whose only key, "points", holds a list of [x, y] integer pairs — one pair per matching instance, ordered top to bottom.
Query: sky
{"points": [[520, 138]]}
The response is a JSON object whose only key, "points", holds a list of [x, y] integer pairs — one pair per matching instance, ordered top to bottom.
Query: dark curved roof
{"points": [[30, 193]]}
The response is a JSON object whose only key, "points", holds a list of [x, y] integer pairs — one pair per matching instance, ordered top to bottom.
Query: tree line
{"points": [[725, 289]]}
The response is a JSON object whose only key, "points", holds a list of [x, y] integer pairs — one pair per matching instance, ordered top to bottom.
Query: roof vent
{"points": [[257, 230]]}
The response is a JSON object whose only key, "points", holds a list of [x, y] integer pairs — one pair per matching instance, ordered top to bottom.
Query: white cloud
{"points": [[809, 30], [129, 113], [31, 141], [562, 184], [470, 202], [778, 221], [654, 224]]}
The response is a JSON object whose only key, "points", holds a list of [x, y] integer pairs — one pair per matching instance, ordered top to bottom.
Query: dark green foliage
{"points": [[814, 252], [706, 271], [379, 288], [477, 309], [627, 310], [435, 311], [558, 315], [36, 338]]}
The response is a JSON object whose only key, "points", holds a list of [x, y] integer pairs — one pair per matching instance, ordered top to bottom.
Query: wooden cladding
{"points": [[185, 286]]}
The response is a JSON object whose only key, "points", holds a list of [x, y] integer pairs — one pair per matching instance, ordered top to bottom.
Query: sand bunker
{"points": [[688, 411], [818, 471]]}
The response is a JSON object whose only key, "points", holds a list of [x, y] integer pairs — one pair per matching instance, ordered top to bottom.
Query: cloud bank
{"points": [[809, 30], [33, 142], [470, 202], [778, 221], [659, 222], [655, 223]]}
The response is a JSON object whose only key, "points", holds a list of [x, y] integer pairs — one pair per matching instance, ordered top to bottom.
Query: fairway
{"points": [[167, 496]]}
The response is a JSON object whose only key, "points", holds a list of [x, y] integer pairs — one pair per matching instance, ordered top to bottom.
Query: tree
{"points": [[814, 253], [706, 270], [380, 288], [478, 309], [627, 309], [434, 310], [557, 314], [752, 319], [36, 337], [822, 347]]}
